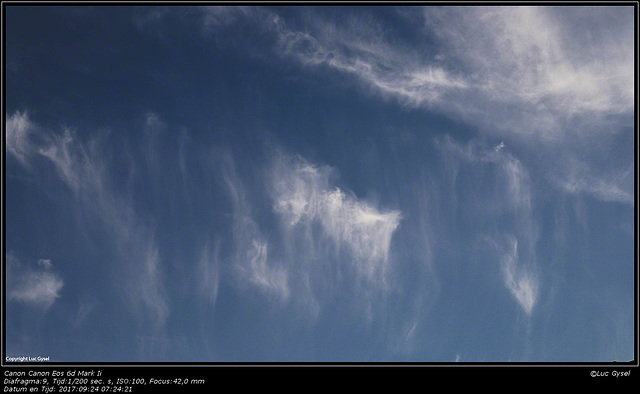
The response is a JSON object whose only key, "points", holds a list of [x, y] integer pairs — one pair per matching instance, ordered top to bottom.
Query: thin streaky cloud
{"points": [[523, 55], [380, 66], [515, 72], [18, 131], [83, 167], [336, 241], [514, 245], [250, 247], [46, 263], [208, 274], [271, 279], [522, 283], [36, 287]]}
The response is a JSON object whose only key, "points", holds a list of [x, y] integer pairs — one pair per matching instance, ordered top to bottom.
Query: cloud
{"points": [[220, 16], [358, 47], [530, 65], [511, 69], [538, 77], [554, 81], [153, 123], [18, 131], [71, 161], [84, 168], [516, 182], [610, 182], [512, 201], [363, 229], [331, 237], [250, 247], [46, 263], [208, 274], [268, 278], [521, 282], [36, 287], [86, 306]]}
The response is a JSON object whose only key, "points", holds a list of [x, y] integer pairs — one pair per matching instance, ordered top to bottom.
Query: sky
{"points": [[319, 184]]}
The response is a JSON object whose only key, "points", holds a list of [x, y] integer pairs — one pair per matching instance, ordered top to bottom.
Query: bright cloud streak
{"points": [[523, 57], [370, 59], [520, 63], [514, 71], [18, 129], [84, 169], [303, 196], [514, 201], [251, 250], [522, 284], [39, 288]]}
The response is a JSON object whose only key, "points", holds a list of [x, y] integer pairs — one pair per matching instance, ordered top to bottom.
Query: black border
{"points": [[593, 373]]}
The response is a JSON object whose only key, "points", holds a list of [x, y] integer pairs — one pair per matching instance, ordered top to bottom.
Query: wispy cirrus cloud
{"points": [[360, 47], [511, 69], [531, 70], [538, 77], [18, 131], [85, 170], [610, 181], [328, 232], [514, 243], [251, 250], [208, 275], [520, 280], [36, 287]]}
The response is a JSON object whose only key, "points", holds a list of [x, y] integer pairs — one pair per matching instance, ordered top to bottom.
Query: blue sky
{"points": [[341, 184]]}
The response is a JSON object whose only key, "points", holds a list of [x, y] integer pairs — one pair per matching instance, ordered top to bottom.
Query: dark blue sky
{"points": [[391, 184]]}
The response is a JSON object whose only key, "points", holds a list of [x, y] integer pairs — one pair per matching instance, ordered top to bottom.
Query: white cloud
{"points": [[219, 16], [361, 51], [528, 59], [511, 69], [538, 77], [555, 81], [153, 123], [18, 130], [68, 158], [83, 167], [578, 176], [515, 178], [304, 198], [513, 200], [363, 229], [250, 247], [46, 263], [208, 274], [268, 278], [521, 281], [35, 287], [144, 287], [38, 288], [86, 306]]}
